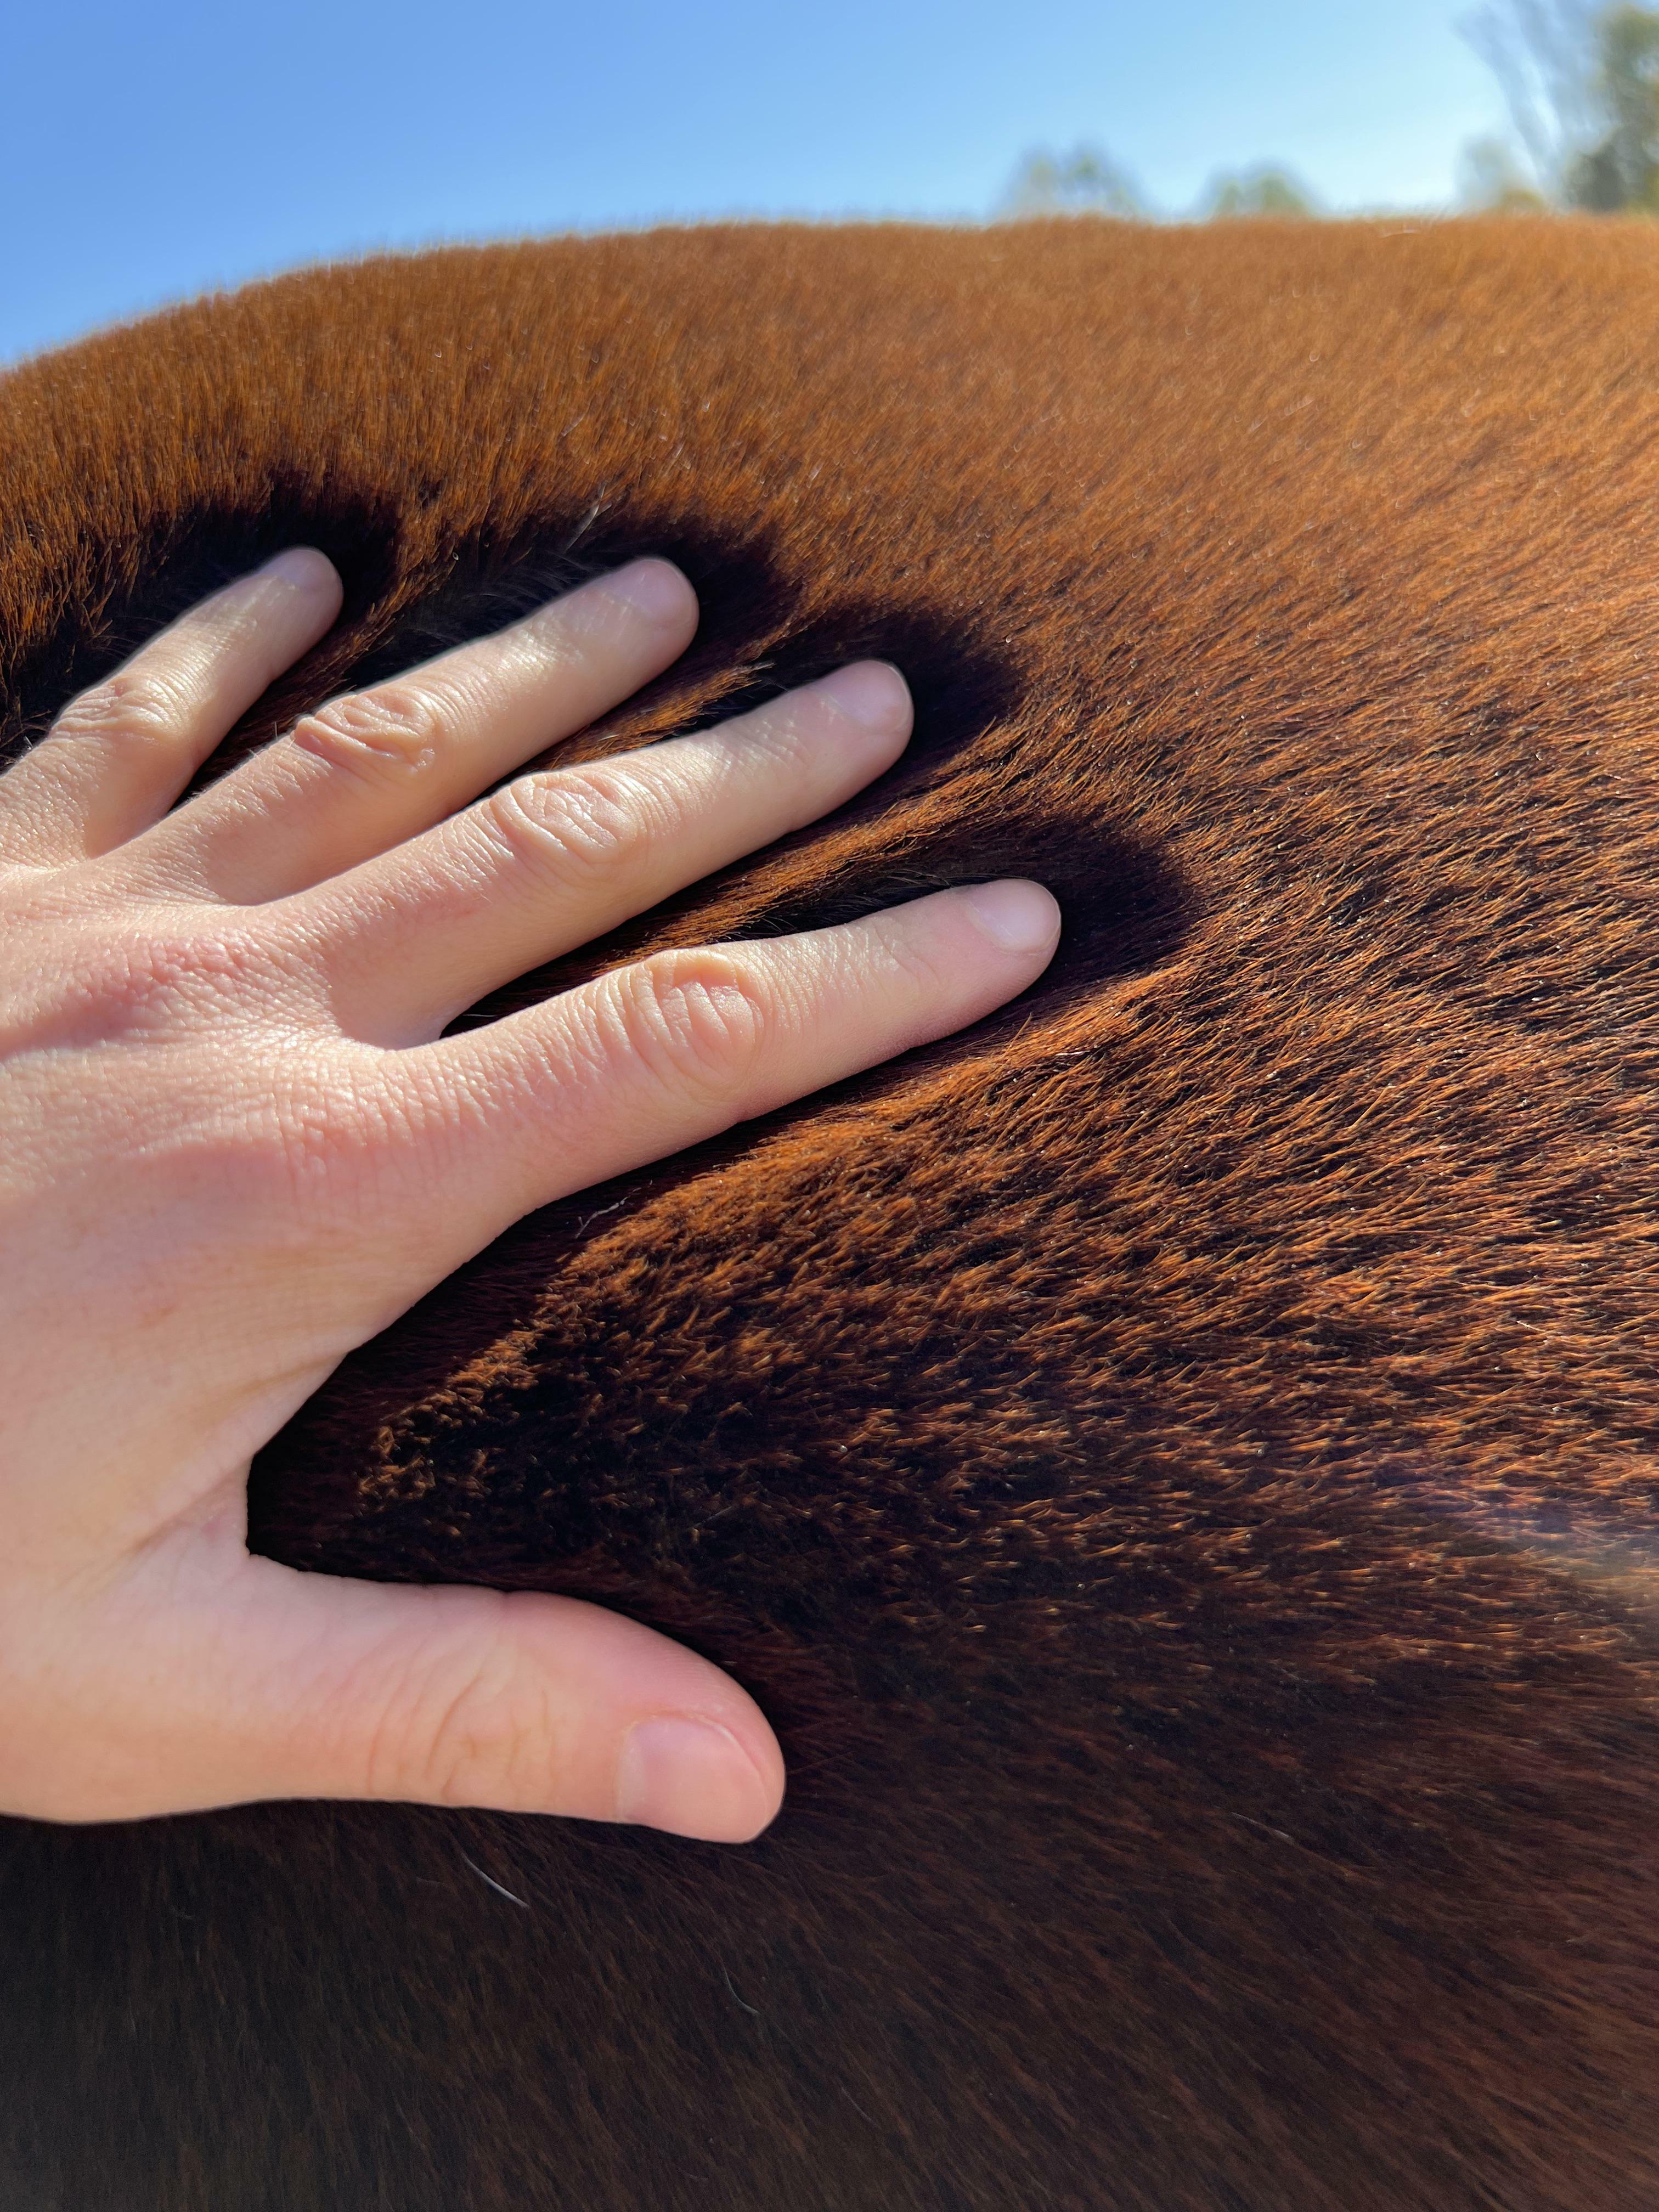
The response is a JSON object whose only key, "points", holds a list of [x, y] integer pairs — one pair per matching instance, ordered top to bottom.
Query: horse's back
{"points": [[1177, 1462]]}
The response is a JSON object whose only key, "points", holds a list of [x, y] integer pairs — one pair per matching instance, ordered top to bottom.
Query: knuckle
{"points": [[133, 706], [393, 732], [578, 824], [903, 952], [916, 966], [150, 979], [153, 981], [694, 1021], [454, 1741]]}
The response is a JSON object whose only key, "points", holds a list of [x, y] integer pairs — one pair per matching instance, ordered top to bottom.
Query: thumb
{"points": [[271, 1683]]}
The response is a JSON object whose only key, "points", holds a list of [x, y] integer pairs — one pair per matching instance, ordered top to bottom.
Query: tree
{"points": [[1582, 84], [1622, 169], [1490, 180], [1085, 181], [1263, 191]]}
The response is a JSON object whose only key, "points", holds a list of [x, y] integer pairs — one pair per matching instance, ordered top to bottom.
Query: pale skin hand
{"points": [[236, 1144]]}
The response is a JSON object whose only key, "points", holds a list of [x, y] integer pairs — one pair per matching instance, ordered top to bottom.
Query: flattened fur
{"points": [[1178, 1461]]}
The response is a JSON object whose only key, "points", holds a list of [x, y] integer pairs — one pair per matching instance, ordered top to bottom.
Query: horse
{"points": [[1177, 1462]]}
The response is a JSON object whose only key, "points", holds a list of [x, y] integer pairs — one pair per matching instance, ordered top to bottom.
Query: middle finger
{"points": [[553, 860]]}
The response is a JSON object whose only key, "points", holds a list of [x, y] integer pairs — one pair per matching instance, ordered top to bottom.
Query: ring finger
{"points": [[370, 769], [552, 860]]}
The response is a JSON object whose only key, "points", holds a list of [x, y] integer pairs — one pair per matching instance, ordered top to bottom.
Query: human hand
{"points": [[236, 1144]]}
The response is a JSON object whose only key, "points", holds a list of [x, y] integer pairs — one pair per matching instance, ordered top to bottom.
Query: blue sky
{"points": [[150, 152]]}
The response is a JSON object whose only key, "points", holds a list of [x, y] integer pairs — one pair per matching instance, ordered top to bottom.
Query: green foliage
{"points": [[1581, 79], [1582, 83], [1622, 170], [1085, 181], [1088, 181], [1492, 181], [1264, 191]]}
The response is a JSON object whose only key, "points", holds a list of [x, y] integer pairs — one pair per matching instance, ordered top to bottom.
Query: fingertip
{"points": [[308, 571], [657, 590], [871, 693], [1015, 916], [689, 1776]]}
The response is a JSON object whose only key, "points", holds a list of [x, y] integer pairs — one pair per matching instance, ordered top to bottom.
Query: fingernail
{"points": [[305, 566], [655, 589], [872, 692], [1017, 916], [691, 1778]]}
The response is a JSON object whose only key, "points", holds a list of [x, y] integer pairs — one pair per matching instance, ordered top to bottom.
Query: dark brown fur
{"points": [[1178, 1462]]}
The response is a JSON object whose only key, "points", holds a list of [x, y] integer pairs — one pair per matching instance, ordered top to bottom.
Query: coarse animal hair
{"points": [[1176, 1461]]}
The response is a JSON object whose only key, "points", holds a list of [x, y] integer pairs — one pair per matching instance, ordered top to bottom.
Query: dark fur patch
{"points": [[1178, 1461]]}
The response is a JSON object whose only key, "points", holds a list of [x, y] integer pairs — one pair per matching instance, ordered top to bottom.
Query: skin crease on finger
{"points": [[229, 1105], [1175, 1463]]}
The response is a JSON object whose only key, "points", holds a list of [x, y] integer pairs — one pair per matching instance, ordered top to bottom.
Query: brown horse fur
{"points": [[1178, 1461]]}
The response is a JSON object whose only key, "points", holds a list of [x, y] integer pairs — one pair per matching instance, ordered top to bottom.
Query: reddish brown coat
{"points": [[1178, 1462]]}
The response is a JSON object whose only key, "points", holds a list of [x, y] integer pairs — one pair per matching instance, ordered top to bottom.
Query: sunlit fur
{"points": [[1177, 1462]]}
